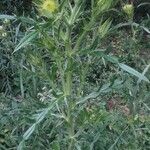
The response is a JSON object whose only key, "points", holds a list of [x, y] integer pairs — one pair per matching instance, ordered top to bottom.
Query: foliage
{"points": [[15, 6], [79, 80]]}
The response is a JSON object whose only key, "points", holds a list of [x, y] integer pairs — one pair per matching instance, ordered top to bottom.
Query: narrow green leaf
{"points": [[142, 4], [7, 17], [27, 20], [120, 25], [105, 27], [145, 29], [26, 40], [109, 58], [133, 72], [144, 72], [104, 89], [90, 96], [148, 108], [42, 115], [29, 132], [94, 141], [116, 141], [21, 145], [55, 145], [78, 147]]}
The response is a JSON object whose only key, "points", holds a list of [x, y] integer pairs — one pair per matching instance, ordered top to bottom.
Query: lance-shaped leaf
{"points": [[142, 4], [7, 17], [104, 27], [26, 40], [109, 58], [133, 72], [104, 89], [39, 118], [29, 132], [21, 145]]}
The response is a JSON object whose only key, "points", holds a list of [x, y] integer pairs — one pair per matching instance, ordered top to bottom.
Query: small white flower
{"points": [[6, 21], [1, 28], [4, 34]]}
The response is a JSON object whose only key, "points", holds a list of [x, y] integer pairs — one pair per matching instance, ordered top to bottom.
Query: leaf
{"points": [[142, 4], [75, 13], [7, 17], [27, 20], [120, 25], [104, 28], [145, 29], [26, 40], [90, 51], [109, 58], [133, 72], [144, 72], [104, 89], [92, 95], [148, 108], [42, 115], [29, 132], [94, 141], [116, 141], [21, 145], [55, 145], [78, 147]]}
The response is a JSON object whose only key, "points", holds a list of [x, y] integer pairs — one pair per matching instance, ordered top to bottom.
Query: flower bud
{"points": [[48, 7], [129, 10]]}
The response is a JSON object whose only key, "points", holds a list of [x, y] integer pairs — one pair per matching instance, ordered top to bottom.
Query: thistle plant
{"points": [[128, 9], [70, 35]]}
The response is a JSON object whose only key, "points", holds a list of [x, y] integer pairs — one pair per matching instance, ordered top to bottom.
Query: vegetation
{"points": [[75, 75]]}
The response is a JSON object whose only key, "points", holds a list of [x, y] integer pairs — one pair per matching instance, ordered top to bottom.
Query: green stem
{"points": [[133, 32], [84, 34], [58, 61], [68, 76], [82, 78], [68, 86], [71, 128]]}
